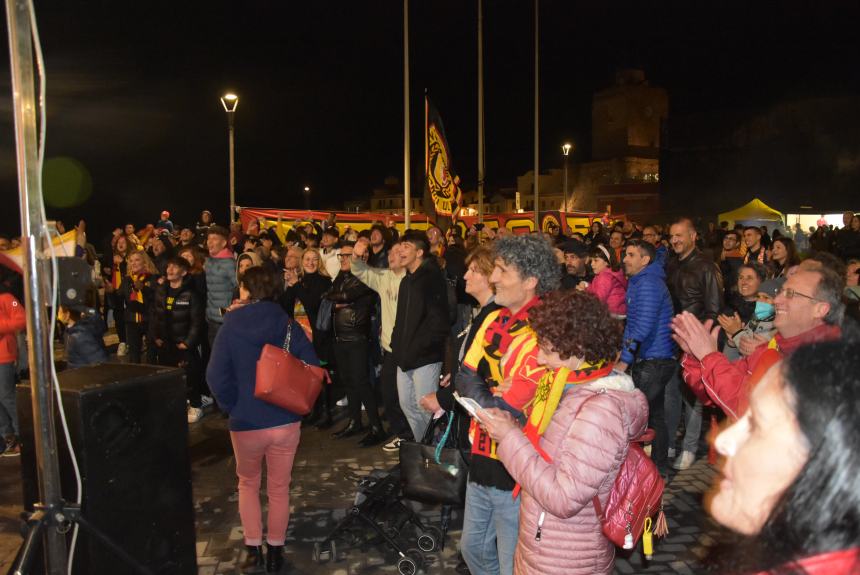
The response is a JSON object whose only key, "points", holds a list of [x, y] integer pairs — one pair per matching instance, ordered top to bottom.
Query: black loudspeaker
{"points": [[75, 281], [129, 428]]}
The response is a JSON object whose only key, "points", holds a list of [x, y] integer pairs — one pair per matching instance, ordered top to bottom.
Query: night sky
{"points": [[133, 89]]}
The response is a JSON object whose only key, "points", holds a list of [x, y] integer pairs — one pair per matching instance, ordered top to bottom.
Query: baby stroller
{"points": [[379, 515]]}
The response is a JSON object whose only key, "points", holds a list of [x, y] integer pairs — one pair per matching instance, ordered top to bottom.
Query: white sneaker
{"points": [[121, 349], [206, 401], [342, 402], [195, 414], [393, 445], [684, 461]]}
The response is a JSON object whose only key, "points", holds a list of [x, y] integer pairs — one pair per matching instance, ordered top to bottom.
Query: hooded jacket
{"points": [[610, 288], [12, 320], [421, 324], [648, 334], [84, 341], [232, 371], [587, 449]]}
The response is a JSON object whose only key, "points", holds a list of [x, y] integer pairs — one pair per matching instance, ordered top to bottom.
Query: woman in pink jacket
{"points": [[609, 283], [582, 420]]}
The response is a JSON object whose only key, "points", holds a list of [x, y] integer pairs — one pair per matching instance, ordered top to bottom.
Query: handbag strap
{"points": [[289, 336], [441, 445]]}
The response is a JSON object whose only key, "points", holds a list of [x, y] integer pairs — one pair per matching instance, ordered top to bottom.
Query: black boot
{"points": [[354, 428], [376, 436], [274, 558], [253, 562]]}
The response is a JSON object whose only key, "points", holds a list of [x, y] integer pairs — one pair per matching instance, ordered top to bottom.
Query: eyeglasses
{"points": [[344, 255], [789, 293]]}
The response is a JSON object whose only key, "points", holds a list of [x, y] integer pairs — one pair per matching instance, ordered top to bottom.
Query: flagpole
{"points": [[480, 112], [537, 118], [407, 192]]}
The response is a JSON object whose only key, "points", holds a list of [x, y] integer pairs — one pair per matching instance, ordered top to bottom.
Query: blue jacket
{"points": [[662, 256], [220, 283], [648, 334], [84, 341], [232, 370]]}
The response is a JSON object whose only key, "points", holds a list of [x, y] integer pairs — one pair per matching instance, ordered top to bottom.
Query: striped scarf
{"points": [[135, 295], [548, 395]]}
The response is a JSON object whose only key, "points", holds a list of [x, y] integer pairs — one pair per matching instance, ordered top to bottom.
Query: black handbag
{"points": [[324, 314], [435, 471]]}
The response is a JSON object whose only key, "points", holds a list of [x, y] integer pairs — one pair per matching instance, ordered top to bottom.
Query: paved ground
{"points": [[323, 489]]}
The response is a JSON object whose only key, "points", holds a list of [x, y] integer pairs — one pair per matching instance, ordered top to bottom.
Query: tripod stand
{"points": [[61, 516]]}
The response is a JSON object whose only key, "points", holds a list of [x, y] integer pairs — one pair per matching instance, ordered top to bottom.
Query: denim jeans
{"points": [[651, 376], [412, 385], [677, 399], [8, 411], [397, 423], [490, 527]]}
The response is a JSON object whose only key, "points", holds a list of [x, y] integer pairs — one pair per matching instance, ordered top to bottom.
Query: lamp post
{"points": [[230, 102], [565, 149], [307, 194]]}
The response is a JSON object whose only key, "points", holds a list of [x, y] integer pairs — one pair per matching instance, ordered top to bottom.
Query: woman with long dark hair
{"points": [[783, 256], [258, 430], [789, 481]]}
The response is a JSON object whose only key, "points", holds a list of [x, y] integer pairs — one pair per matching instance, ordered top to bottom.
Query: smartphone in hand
{"points": [[469, 404]]}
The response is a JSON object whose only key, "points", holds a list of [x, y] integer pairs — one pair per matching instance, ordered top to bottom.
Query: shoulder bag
{"points": [[285, 380]]}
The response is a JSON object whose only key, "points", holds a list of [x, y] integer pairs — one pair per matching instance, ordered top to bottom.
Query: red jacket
{"points": [[12, 320], [716, 380], [833, 563]]}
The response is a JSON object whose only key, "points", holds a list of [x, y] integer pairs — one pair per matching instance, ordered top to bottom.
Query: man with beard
{"points": [[576, 268]]}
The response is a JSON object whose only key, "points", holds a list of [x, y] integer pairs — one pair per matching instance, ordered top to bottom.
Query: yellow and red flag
{"points": [[442, 184]]}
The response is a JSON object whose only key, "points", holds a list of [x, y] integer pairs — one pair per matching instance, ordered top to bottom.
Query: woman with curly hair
{"points": [[137, 291], [580, 425]]}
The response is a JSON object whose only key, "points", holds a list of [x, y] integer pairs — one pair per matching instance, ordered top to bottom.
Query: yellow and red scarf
{"points": [[548, 395]]}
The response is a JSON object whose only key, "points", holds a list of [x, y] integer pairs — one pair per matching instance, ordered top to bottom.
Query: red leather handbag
{"points": [[286, 381]]}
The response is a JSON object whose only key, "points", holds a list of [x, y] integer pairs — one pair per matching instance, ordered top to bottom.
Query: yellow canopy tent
{"points": [[754, 213]]}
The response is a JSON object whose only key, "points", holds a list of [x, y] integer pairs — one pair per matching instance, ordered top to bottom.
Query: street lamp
{"points": [[230, 101], [565, 149], [307, 194]]}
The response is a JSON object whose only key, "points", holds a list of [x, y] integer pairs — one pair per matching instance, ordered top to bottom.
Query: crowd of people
{"points": [[572, 343]]}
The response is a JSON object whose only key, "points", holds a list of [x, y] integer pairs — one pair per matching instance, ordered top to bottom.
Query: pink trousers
{"points": [[278, 445]]}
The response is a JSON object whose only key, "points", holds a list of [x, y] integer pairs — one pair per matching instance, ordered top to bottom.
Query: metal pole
{"points": [[480, 112], [537, 124], [231, 127], [565, 183], [407, 192], [36, 276]]}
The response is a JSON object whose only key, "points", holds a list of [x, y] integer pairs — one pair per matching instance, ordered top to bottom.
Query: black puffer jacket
{"points": [[696, 285], [353, 301], [178, 314], [421, 325]]}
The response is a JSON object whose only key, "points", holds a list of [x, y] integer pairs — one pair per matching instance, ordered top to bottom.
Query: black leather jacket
{"points": [[696, 285], [352, 320]]}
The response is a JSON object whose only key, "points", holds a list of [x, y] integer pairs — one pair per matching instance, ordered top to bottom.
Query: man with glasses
{"points": [[653, 237], [352, 302], [809, 308]]}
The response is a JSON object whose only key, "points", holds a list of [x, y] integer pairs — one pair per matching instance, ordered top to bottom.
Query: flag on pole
{"points": [[441, 182]]}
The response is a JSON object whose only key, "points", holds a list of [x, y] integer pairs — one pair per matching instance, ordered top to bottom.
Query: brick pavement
{"points": [[323, 489]]}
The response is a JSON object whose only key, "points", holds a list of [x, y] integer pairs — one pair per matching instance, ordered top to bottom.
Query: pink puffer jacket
{"points": [[611, 288], [586, 453]]}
